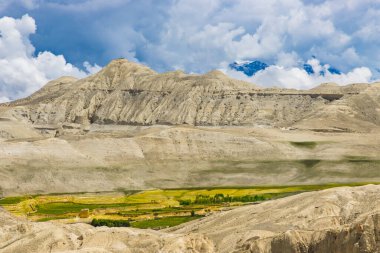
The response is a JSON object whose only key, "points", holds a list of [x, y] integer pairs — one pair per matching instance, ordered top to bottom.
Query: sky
{"points": [[41, 40]]}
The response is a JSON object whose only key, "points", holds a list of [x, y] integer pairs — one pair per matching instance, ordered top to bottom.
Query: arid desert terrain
{"points": [[128, 128]]}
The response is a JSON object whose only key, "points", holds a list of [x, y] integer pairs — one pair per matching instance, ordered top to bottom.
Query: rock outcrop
{"points": [[132, 94], [149, 127], [335, 221], [19, 236]]}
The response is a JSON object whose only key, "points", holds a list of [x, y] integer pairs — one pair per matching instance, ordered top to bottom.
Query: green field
{"points": [[151, 208]]}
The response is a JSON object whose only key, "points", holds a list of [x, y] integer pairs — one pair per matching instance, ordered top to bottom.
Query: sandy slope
{"points": [[130, 127], [164, 156], [335, 220], [340, 220], [20, 236]]}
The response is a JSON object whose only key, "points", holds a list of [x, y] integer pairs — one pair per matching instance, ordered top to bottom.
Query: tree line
{"points": [[221, 198], [110, 223]]}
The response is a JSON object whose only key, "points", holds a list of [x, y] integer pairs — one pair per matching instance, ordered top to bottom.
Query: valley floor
{"points": [[156, 209], [339, 219]]}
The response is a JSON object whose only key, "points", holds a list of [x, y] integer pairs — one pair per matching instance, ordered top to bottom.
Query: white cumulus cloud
{"points": [[21, 71], [298, 78]]}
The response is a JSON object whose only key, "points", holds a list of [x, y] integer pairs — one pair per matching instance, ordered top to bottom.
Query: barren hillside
{"points": [[131, 94], [82, 135]]}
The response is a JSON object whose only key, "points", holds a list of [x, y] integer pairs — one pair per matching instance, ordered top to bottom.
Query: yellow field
{"points": [[152, 207]]}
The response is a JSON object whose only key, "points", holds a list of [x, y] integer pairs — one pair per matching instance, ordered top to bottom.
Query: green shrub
{"points": [[220, 198], [184, 202], [110, 223]]}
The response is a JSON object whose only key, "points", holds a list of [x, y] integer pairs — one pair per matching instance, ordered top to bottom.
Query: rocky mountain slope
{"points": [[132, 94], [129, 120], [128, 127], [335, 220], [19, 236]]}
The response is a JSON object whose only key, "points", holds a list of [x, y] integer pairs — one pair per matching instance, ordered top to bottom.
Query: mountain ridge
{"points": [[130, 93], [151, 127]]}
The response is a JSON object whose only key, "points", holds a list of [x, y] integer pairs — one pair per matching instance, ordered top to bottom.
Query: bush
{"points": [[220, 198], [184, 202], [110, 223]]}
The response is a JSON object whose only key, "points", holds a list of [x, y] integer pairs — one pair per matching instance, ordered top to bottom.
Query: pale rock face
{"points": [[129, 93], [150, 127], [175, 130], [336, 220], [18, 235]]}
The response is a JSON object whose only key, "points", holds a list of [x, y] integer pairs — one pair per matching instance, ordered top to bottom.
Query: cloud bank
{"points": [[195, 36], [21, 71], [298, 78]]}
